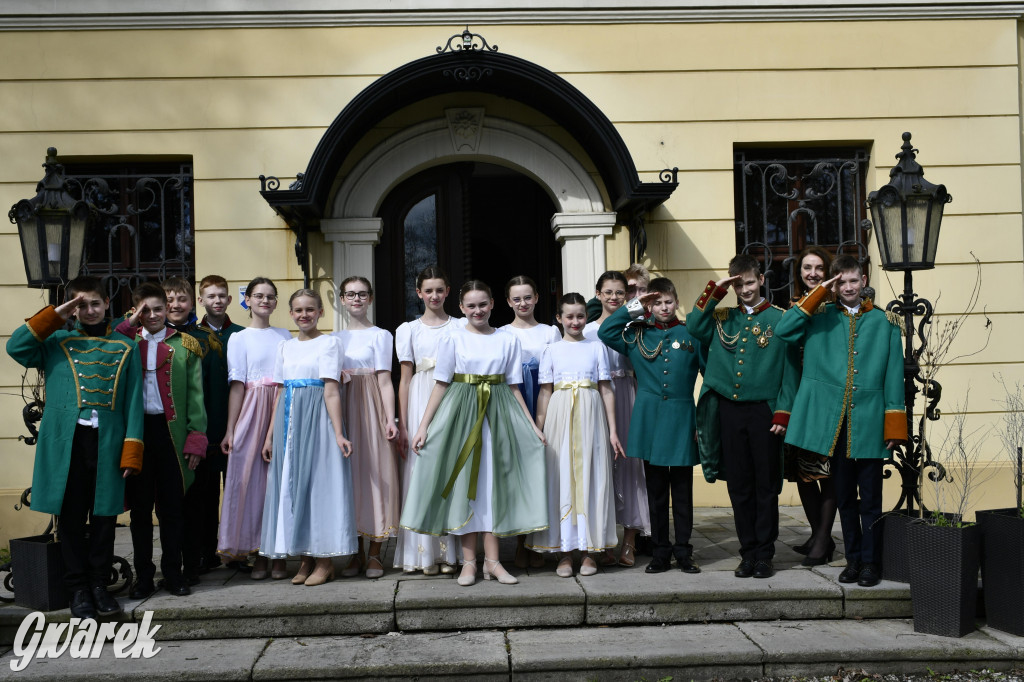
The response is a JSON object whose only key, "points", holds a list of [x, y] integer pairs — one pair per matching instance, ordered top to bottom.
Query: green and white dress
{"points": [[482, 466]]}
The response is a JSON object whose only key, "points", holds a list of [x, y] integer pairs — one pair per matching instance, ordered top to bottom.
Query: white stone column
{"points": [[582, 238], [352, 243]]}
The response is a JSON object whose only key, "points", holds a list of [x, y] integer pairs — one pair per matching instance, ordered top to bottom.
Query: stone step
{"points": [[231, 605], [742, 650]]}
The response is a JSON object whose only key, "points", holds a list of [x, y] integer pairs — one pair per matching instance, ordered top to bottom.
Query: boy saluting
{"points": [[666, 359], [850, 405], [744, 406], [90, 438]]}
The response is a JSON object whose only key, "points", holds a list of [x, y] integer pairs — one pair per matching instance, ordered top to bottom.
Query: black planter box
{"points": [[895, 555], [1002, 568], [38, 572], [944, 578]]}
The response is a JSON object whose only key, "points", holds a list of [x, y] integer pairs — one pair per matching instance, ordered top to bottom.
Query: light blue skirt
{"points": [[309, 508]]}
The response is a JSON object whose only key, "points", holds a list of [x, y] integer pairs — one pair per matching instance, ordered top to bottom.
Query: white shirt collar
{"points": [[750, 310], [854, 310], [159, 336]]}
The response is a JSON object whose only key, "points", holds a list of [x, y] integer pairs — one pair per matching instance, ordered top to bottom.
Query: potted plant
{"points": [[1002, 530], [944, 549]]}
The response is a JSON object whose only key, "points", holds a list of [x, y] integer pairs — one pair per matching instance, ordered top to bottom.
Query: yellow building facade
{"points": [[239, 94]]}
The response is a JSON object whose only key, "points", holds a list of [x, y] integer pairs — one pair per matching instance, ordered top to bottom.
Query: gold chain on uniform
{"points": [[638, 339], [728, 342]]}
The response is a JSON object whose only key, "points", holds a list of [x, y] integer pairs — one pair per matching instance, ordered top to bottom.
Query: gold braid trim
{"points": [[722, 314], [896, 321], [190, 344], [215, 344]]}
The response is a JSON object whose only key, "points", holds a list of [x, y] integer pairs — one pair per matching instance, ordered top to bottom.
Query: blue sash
{"points": [[530, 386]]}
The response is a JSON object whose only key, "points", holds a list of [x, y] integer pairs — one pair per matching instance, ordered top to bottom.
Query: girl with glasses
{"points": [[251, 355], [370, 417], [631, 510]]}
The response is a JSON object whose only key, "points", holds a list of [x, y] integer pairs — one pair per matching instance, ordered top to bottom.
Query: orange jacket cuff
{"points": [[45, 322], [895, 425], [131, 455]]}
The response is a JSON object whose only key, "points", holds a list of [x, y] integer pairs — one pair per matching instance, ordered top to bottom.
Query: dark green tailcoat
{"points": [[747, 362], [853, 369], [83, 373], [661, 428]]}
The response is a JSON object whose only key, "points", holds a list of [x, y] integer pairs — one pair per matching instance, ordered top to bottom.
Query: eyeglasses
{"points": [[616, 293], [353, 295], [264, 297], [516, 300]]}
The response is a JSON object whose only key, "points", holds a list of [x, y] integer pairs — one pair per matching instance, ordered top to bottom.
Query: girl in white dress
{"points": [[521, 295], [416, 347], [251, 356], [369, 406], [576, 410], [481, 458], [309, 507], [631, 509]]}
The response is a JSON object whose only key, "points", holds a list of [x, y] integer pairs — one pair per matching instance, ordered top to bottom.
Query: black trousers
{"points": [[752, 466], [661, 482], [159, 483], [859, 495], [202, 513], [87, 551]]}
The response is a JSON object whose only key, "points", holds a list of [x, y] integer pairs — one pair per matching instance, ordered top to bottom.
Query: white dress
{"points": [[532, 341], [416, 342], [251, 357], [374, 470], [471, 478], [581, 499], [309, 504], [631, 509]]}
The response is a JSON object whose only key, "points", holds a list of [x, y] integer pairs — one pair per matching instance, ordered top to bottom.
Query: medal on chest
{"points": [[763, 339]]}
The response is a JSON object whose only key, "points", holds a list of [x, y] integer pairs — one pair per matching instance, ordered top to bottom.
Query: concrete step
{"points": [[229, 604], [743, 650]]}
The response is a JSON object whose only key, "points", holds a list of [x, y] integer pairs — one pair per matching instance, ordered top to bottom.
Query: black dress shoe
{"points": [[805, 548], [207, 564], [686, 564], [658, 566], [763, 568], [745, 569], [851, 573], [869, 576], [191, 579], [178, 587], [142, 589], [106, 605], [82, 606]]}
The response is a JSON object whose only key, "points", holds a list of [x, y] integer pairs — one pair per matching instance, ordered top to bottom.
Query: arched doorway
{"points": [[475, 220]]}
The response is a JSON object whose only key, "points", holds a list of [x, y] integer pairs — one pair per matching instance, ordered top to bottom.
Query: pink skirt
{"points": [[245, 486], [378, 491], [631, 510]]}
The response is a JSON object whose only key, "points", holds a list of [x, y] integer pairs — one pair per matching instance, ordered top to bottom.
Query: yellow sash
{"points": [[576, 434], [475, 442]]}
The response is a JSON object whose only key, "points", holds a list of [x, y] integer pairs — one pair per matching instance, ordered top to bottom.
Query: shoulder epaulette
{"points": [[821, 308], [781, 310], [722, 314], [896, 320], [215, 343], [191, 345]]}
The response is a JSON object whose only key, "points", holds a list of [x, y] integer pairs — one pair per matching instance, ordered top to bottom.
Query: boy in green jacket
{"points": [[666, 359], [744, 406], [850, 406], [90, 438], [175, 438]]}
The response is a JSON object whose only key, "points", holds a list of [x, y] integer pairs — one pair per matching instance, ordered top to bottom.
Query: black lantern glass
{"points": [[907, 214], [52, 226]]}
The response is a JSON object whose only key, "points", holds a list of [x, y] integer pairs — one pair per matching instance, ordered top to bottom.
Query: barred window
{"points": [[790, 198], [144, 225]]}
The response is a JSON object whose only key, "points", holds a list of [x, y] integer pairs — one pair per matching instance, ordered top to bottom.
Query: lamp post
{"points": [[907, 213], [52, 226]]}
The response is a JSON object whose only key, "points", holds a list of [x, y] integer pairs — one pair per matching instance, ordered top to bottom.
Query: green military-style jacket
{"points": [[666, 360], [747, 362], [853, 370], [83, 373], [215, 375], [180, 380]]}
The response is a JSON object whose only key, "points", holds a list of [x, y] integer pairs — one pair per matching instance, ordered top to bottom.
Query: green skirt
{"points": [[516, 497]]}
